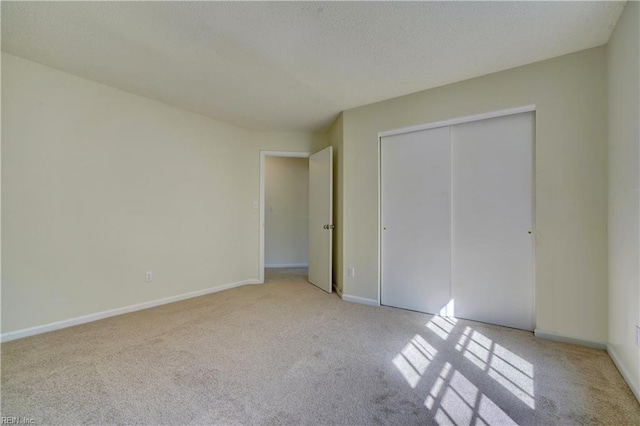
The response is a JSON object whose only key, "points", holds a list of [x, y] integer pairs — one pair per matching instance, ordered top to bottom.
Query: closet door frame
{"points": [[452, 122]]}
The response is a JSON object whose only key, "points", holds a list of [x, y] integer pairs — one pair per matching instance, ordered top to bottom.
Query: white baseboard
{"points": [[286, 265], [360, 300], [31, 331], [559, 338], [598, 345], [613, 354]]}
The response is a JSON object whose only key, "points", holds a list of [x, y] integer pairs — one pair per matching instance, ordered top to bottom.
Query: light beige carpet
{"points": [[288, 353]]}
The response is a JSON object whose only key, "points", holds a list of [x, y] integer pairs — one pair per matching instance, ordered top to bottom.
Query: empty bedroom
{"points": [[355, 213]]}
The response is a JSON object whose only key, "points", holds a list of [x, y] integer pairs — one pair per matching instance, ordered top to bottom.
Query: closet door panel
{"points": [[492, 215], [416, 220]]}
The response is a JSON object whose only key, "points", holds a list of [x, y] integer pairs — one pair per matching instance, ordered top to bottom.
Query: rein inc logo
{"points": [[17, 421]]}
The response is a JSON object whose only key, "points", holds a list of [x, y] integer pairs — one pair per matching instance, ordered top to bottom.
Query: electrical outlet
{"points": [[351, 272], [148, 276]]}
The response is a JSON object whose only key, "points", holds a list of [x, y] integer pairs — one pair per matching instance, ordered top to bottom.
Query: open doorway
{"points": [[284, 214], [320, 215], [286, 220]]}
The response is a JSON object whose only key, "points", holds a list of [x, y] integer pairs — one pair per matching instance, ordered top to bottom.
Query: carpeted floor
{"points": [[288, 353]]}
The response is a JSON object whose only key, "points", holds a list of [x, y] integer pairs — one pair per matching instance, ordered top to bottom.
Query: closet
{"points": [[457, 220]]}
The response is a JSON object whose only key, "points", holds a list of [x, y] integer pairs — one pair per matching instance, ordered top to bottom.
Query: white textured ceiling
{"points": [[295, 65]]}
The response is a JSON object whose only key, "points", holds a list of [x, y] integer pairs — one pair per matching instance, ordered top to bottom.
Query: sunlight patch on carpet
{"points": [[453, 398]]}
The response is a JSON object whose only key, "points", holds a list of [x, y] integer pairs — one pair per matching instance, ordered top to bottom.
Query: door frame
{"points": [[452, 122], [263, 158]]}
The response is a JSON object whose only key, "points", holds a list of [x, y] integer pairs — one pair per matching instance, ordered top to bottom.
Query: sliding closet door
{"points": [[416, 220], [492, 248]]}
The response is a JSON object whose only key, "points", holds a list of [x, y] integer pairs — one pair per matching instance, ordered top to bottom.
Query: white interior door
{"points": [[416, 216], [492, 217], [320, 218]]}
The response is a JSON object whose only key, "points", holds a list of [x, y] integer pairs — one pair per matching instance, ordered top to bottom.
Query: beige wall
{"points": [[623, 66], [335, 139], [99, 186], [571, 198], [286, 229]]}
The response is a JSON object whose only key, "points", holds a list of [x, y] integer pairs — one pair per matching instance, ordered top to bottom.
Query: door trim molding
{"points": [[458, 120], [263, 158]]}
